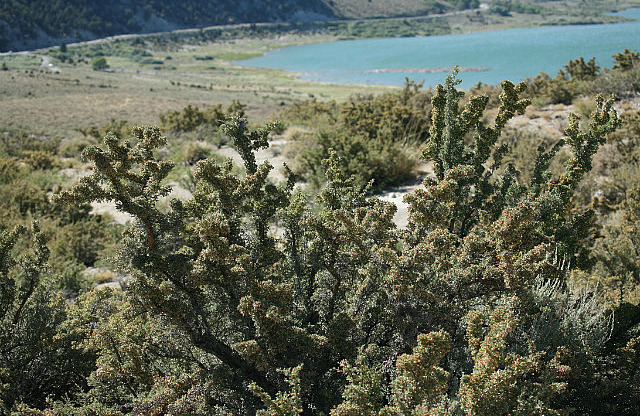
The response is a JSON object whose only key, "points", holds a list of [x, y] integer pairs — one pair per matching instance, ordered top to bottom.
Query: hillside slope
{"points": [[385, 8], [26, 24], [30, 24]]}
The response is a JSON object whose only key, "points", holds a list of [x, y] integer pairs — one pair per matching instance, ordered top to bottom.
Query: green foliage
{"points": [[465, 4], [505, 7], [65, 19], [419, 26], [133, 49], [626, 60], [99, 63], [580, 70], [580, 77], [621, 84], [547, 90], [392, 117], [191, 118], [195, 126], [120, 128], [375, 137], [16, 143], [73, 147], [194, 152], [386, 163], [139, 168], [622, 168], [27, 179], [469, 190], [21, 198], [81, 240], [618, 268], [253, 298], [38, 360], [130, 375], [504, 382], [420, 384], [418, 388], [362, 393], [288, 404]]}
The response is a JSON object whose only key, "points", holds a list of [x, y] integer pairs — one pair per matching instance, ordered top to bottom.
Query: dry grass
{"points": [[38, 98]]}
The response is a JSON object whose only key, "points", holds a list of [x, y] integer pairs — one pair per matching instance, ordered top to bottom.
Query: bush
{"points": [[626, 60], [99, 63], [580, 70], [580, 77], [621, 84], [546, 90], [191, 117], [120, 128], [375, 138], [16, 143], [195, 152], [39, 160], [384, 163], [76, 238], [247, 299], [41, 360]]}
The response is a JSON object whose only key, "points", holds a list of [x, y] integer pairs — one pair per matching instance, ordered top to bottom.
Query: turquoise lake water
{"points": [[505, 54]]}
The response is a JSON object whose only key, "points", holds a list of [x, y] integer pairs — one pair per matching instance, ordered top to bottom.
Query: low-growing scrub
{"points": [[585, 78], [377, 138], [29, 166], [517, 273], [249, 298]]}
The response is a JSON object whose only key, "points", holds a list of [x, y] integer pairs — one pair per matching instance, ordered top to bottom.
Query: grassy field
{"points": [[65, 97]]}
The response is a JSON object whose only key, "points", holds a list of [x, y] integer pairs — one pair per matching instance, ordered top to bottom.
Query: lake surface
{"points": [[489, 57]]}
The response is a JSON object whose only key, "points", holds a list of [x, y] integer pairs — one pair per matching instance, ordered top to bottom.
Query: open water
{"points": [[488, 57]]}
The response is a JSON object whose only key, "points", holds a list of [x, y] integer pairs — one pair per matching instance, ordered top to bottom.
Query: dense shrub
{"points": [[505, 7], [626, 60], [99, 63], [580, 70], [585, 78], [621, 84], [546, 90], [190, 118], [376, 138], [16, 143], [194, 152], [384, 163], [28, 178], [517, 273], [247, 299], [40, 360]]}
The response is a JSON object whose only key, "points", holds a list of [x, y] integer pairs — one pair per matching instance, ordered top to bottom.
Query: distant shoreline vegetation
{"points": [[430, 70]]}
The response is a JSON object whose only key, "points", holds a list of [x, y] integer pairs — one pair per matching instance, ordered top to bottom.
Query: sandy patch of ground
{"points": [[273, 154], [397, 193]]}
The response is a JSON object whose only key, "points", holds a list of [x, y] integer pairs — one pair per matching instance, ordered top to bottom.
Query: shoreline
{"points": [[427, 70], [303, 75]]}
